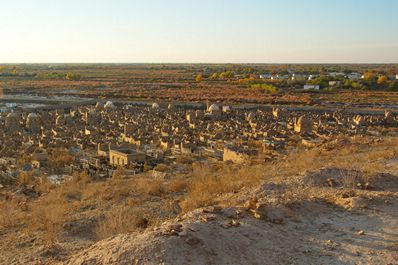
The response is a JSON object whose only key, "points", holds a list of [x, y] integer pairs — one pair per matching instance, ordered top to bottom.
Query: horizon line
{"points": [[209, 63]]}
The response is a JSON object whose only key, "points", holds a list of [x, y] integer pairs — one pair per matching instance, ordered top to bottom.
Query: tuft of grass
{"points": [[208, 184], [177, 185], [149, 186], [11, 215], [48, 218], [121, 220]]}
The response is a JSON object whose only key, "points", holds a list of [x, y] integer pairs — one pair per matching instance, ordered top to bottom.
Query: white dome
{"points": [[99, 105], [109, 105], [155, 105], [214, 107], [226, 108], [13, 115], [33, 116], [251, 116]]}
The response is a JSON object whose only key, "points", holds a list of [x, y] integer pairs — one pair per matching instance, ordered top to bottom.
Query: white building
{"points": [[335, 74], [265, 76], [354, 76], [280, 77], [298, 77], [312, 77], [334, 83], [311, 87]]}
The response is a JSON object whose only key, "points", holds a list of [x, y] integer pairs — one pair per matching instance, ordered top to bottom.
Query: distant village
{"points": [[334, 79], [102, 138]]}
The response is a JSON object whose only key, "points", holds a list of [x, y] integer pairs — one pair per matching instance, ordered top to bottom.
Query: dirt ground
{"points": [[336, 204], [359, 231]]}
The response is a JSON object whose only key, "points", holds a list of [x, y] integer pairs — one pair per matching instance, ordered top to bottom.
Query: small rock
{"points": [[331, 182], [348, 194], [358, 203], [251, 204], [212, 209], [260, 211], [229, 212], [239, 213], [257, 215], [207, 217], [277, 221], [230, 223], [235, 223], [225, 225], [175, 227], [183, 233], [361, 233], [192, 241]]}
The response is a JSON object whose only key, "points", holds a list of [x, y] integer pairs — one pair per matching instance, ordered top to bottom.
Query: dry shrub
{"points": [[59, 158], [24, 159], [184, 159], [296, 163], [161, 168], [119, 173], [81, 177], [27, 178], [352, 179], [33, 180], [208, 183], [177, 185], [44, 186], [150, 186], [72, 190], [102, 190], [120, 190], [94, 191], [202, 192], [293, 194], [171, 206], [11, 215], [48, 218], [121, 220]]}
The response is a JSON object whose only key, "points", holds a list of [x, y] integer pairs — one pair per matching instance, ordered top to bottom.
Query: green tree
{"points": [[227, 74], [72, 76], [215, 76], [369, 77], [199, 78], [382, 80], [393, 85]]}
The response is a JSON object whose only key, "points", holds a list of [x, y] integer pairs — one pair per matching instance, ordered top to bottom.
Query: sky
{"points": [[198, 31]]}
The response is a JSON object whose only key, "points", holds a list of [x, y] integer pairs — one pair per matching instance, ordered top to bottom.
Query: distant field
{"points": [[175, 82]]}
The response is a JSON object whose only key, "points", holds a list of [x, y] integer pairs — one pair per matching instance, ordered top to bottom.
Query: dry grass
{"points": [[59, 158], [161, 168], [119, 173], [27, 178], [353, 179], [209, 183], [177, 185], [150, 186], [127, 204], [11, 214], [48, 218], [121, 220]]}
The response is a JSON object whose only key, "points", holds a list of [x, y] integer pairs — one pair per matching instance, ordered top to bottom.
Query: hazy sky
{"points": [[257, 31]]}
